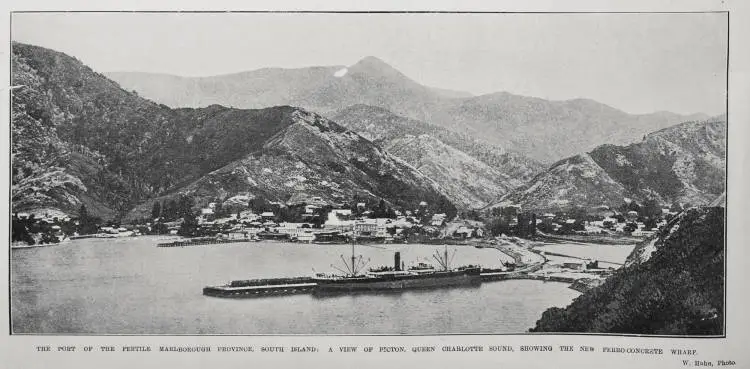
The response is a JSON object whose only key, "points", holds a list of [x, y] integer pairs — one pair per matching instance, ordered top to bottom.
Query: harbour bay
{"points": [[129, 286]]}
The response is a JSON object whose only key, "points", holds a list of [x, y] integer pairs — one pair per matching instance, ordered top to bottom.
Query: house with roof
{"points": [[631, 215], [438, 219], [339, 220], [365, 227], [295, 230], [464, 232]]}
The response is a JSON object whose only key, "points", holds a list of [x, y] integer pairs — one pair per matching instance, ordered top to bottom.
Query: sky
{"points": [[639, 63]]}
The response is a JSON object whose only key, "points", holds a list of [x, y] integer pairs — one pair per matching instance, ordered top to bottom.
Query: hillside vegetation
{"points": [[78, 138], [684, 163], [472, 172], [676, 288]]}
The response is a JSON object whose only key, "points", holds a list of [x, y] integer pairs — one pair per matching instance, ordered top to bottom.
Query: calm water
{"points": [[131, 286]]}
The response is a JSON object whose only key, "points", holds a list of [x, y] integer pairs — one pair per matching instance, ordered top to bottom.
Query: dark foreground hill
{"points": [[78, 138], [673, 285]]}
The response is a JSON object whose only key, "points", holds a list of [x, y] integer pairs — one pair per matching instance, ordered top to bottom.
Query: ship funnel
{"points": [[397, 261]]}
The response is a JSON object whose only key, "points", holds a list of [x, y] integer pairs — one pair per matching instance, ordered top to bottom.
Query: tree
{"points": [[257, 205], [633, 206], [676, 207], [650, 209], [156, 210], [169, 210], [578, 212], [473, 214], [87, 223], [650, 223], [526, 224], [189, 226], [498, 226], [159, 228], [20, 231]]}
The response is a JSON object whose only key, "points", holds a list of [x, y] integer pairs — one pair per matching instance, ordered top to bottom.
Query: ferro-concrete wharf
{"points": [[298, 285]]}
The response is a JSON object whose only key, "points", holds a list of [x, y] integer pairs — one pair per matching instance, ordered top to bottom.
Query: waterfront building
{"points": [[339, 220], [365, 227], [381, 228], [294, 230], [240, 234], [306, 237]]}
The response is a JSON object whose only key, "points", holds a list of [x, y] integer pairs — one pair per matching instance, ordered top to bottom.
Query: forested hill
{"points": [[78, 138], [684, 163], [471, 172], [677, 289]]}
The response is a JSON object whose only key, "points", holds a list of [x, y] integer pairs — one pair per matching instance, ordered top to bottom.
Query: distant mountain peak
{"points": [[372, 61], [372, 64]]}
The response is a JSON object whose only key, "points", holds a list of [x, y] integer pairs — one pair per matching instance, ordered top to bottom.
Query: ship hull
{"points": [[443, 279]]}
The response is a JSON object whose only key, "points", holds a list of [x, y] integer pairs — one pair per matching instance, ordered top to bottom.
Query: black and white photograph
{"points": [[368, 173]]}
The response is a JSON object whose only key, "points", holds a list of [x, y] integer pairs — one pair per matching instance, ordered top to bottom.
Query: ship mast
{"points": [[445, 254], [443, 259], [353, 266]]}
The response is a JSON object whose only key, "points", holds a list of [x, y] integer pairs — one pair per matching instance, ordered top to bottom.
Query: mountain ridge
{"points": [[546, 130], [78, 138], [685, 163], [474, 172]]}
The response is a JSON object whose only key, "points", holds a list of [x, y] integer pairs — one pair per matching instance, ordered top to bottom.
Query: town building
{"points": [[248, 215], [267, 215], [438, 219], [339, 220], [365, 227], [294, 230], [464, 232]]}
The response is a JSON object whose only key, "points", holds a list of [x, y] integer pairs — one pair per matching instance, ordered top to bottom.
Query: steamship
{"points": [[397, 277]]}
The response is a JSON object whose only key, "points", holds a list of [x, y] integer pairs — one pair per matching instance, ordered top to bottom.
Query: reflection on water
{"points": [[131, 286], [383, 292]]}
